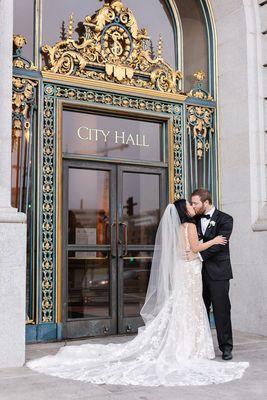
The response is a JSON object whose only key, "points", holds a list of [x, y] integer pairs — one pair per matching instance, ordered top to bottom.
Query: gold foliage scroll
{"points": [[111, 47], [23, 102], [199, 127]]}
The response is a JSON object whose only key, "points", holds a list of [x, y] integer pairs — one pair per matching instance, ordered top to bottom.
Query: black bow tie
{"points": [[205, 216]]}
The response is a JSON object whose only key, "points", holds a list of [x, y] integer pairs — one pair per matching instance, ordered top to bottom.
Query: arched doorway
{"points": [[115, 138]]}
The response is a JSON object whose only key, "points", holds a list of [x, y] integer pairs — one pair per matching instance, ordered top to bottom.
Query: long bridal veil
{"points": [[167, 259], [173, 348]]}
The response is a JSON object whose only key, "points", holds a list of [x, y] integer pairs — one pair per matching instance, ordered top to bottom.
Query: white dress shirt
{"points": [[205, 222]]}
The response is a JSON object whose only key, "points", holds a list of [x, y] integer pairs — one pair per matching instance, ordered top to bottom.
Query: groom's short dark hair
{"points": [[203, 193]]}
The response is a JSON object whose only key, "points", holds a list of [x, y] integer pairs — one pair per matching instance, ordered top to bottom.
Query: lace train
{"points": [[174, 349]]}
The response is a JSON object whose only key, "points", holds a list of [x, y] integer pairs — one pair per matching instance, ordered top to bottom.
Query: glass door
{"points": [[142, 196], [110, 218], [89, 249]]}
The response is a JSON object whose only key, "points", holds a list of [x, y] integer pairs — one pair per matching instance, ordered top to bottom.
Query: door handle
{"points": [[125, 235], [113, 239]]}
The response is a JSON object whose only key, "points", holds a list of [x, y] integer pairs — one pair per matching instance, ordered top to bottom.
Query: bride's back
{"points": [[186, 243]]}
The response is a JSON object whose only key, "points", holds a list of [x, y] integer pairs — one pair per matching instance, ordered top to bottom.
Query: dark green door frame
{"points": [[117, 249]]}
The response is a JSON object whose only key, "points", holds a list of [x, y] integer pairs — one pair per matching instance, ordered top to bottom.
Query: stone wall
{"points": [[242, 151]]}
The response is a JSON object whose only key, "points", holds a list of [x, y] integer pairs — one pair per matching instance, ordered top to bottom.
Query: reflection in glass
{"points": [[24, 24], [195, 41], [109, 136], [88, 207], [141, 207], [135, 280], [88, 285]]}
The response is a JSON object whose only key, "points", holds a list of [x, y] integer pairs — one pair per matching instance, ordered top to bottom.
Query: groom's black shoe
{"points": [[227, 355]]}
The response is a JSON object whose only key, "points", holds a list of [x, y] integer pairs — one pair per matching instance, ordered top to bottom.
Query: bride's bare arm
{"points": [[196, 246]]}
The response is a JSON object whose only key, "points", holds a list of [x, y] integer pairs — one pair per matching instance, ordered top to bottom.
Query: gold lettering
{"points": [[100, 131], [79, 132], [95, 132], [85, 133], [106, 135], [119, 137], [130, 138], [137, 141], [144, 142]]}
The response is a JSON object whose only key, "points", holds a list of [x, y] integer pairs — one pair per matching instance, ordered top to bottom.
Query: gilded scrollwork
{"points": [[112, 40], [18, 61], [198, 91], [23, 104], [200, 127], [178, 153], [48, 209]]}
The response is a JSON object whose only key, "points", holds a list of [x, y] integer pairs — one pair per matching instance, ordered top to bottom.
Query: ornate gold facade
{"points": [[112, 41], [18, 61], [23, 101]]}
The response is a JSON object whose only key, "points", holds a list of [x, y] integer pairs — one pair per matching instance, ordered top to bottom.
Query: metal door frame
{"points": [[116, 323], [131, 324], [89, 326]]}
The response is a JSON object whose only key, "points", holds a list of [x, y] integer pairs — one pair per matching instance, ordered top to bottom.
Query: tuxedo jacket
{"points": [[216, 259]]}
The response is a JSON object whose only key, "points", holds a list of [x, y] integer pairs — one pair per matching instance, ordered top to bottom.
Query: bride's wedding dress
{"points": [[174, 347]]}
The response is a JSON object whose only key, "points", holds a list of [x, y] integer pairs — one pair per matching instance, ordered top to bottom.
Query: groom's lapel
{"points": [[212, 228]]}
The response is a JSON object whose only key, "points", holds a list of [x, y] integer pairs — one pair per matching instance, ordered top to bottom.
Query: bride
{"points": [[175, 346]]}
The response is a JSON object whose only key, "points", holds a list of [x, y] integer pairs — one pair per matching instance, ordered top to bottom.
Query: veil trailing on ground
{"points": [[167, 257], [174, 348]]}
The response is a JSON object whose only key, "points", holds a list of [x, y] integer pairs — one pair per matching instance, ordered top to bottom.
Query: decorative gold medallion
{"points": [[112, 41]]}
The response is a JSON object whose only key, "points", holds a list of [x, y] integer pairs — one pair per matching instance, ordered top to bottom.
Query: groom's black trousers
{"points": [[216, 293]]}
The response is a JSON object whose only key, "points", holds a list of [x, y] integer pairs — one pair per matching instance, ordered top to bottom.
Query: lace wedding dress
{"points": [[175, 346]]}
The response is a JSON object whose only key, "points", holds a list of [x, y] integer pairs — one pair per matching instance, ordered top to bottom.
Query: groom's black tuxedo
{"points": [[216, 259], [216, 273]]}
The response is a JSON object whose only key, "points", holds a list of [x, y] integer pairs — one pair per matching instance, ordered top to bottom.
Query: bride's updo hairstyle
{"points": [[182, 211]]}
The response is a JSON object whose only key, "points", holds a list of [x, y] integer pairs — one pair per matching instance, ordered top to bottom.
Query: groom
{"points": [[216, 271]]}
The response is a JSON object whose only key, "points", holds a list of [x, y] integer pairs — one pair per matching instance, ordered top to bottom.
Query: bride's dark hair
{"points": [[182, 211]]}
